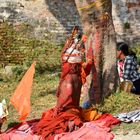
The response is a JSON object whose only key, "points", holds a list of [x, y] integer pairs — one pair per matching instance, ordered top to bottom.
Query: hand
{"points": [[84, 38], [90, 61]]}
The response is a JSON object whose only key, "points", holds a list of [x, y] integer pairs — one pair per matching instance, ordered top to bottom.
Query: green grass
{"points": [[44, 87], [43, 97], [120, 103], [125, 128]]}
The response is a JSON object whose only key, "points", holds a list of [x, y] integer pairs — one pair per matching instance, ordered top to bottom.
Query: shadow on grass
{"points": [[12, 124]]}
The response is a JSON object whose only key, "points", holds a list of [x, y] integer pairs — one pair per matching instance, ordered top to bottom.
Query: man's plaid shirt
{"points": [[130, 71]]}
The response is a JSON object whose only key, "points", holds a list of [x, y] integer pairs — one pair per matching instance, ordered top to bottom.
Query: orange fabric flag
{"points": [[21, 97]]}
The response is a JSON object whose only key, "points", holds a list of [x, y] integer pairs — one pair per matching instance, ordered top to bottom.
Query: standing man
{"points": [[66, 115]]}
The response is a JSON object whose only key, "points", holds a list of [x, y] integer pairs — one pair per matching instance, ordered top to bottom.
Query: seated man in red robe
{"points": [[65, 116]]}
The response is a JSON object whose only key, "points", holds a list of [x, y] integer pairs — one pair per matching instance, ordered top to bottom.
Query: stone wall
{"points": [[126, 17], [51, 19], [54, 19]]}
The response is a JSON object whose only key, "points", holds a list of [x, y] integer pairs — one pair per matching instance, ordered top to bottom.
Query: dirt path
{"points": [[130, 135], [127, 137]]}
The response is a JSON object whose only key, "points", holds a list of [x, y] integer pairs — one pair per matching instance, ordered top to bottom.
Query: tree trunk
{"points": [[96, 17]]}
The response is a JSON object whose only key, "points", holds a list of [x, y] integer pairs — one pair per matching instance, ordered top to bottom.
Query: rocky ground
{"points": [[131, 135]]}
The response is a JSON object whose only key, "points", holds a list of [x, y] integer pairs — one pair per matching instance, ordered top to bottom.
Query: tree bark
{"points": [[96, 18]]}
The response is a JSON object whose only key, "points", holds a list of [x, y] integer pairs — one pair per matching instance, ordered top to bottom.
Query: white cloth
{"points": [[72, 55], [3, 109], [132, 116]]}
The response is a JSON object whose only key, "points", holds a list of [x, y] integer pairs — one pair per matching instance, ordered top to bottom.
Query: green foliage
{"points": [[126, 25], [17, 46], [9, 47], [136, 49], [138, 60], [17, 70], [4, 78]]}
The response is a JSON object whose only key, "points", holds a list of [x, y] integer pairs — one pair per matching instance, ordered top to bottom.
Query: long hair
{"points": [[122, 46]]}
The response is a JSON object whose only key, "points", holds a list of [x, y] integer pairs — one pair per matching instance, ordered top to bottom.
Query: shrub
{"points": [[126, 25], [17, 47], [136, 49]]}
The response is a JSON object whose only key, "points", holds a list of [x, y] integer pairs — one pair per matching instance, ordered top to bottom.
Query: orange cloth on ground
{"points": [[21, 96], [90, 114], [49, 126]]}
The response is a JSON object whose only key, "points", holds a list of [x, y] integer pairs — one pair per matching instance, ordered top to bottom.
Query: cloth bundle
{"points": [[90, 114], [132, 116], [94, 130], [22, 131]]}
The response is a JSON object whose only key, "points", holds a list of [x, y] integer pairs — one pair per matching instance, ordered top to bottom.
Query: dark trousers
{"points": [[136, 89]]}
